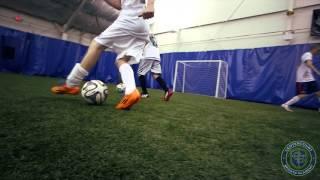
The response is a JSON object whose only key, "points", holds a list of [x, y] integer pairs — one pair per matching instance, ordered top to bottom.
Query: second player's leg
{"points": [[144, 68], [156, 72], [160, 81], [143, 84], [167, 92]]}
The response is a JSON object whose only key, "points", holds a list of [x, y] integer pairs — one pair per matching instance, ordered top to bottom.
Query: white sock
{"points": [[76, 76], [127, 77], [292, 101]]}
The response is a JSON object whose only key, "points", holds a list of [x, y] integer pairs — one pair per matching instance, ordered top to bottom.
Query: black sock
{"points": [[119, 78], [142, 80], [162, 83]]}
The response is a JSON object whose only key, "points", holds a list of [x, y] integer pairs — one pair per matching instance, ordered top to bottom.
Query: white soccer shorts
{"points": [[127, 36], [147, 65]]}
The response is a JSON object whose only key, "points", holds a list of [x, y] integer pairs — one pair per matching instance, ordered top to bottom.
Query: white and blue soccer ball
{"points": [[121, 87], [94, 92]]}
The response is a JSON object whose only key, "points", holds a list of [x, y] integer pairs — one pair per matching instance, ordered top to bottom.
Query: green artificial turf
{"points": [[45, 136]]}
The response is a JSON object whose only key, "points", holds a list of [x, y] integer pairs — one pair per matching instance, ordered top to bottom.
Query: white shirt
{"points": [[132, 7], [129, 22], [128, 34], [304, 73]]}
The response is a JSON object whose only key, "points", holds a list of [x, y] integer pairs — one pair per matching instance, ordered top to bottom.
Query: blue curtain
{"points": [[39, 55], [264, 75]]}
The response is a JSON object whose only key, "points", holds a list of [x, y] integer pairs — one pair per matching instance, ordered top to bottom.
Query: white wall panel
{"points": [[257, 23], [40, 26]]}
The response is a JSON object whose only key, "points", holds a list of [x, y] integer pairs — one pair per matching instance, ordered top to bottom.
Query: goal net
{"points": [[204, 77]]}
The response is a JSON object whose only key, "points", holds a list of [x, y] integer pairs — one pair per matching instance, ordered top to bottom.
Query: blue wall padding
{"points": [[39, 55], [261, 75]]}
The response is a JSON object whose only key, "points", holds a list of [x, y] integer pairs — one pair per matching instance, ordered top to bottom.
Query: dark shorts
{"points": [[307, 87]]}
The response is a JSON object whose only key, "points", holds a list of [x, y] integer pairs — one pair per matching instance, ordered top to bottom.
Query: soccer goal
{"points": [[204, 77]]}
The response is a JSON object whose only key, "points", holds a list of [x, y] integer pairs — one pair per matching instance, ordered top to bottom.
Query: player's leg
{"points": [[144, 68], [80, 71], [156, 73], [127, 75], [160, 81], [143, 84], [313, 87], [303, 90], [167, 92], [132, 95], [318, 96], [293, 101]]}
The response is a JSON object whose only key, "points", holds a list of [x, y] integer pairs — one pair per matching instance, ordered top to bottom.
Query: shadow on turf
{"points": [[62, 101]]}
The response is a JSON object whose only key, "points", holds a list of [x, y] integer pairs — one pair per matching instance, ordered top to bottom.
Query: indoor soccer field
{"points": [[161, 89], [46, 136]]}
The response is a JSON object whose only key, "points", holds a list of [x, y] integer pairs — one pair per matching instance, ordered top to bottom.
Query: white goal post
{"points": [[204, 77]]}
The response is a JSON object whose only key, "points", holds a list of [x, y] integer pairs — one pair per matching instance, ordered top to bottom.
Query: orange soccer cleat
{"points": [[64, 89], [129, 100]]}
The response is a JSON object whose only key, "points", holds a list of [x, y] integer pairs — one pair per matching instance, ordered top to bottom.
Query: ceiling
{"points": [[91, 16]]}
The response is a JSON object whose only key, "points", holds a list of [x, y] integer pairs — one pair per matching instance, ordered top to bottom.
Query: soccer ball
{"points": [[121, 87], [94, 92]]}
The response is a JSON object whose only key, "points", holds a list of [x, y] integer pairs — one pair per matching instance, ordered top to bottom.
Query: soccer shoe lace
{"points": [[129, 100]]}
